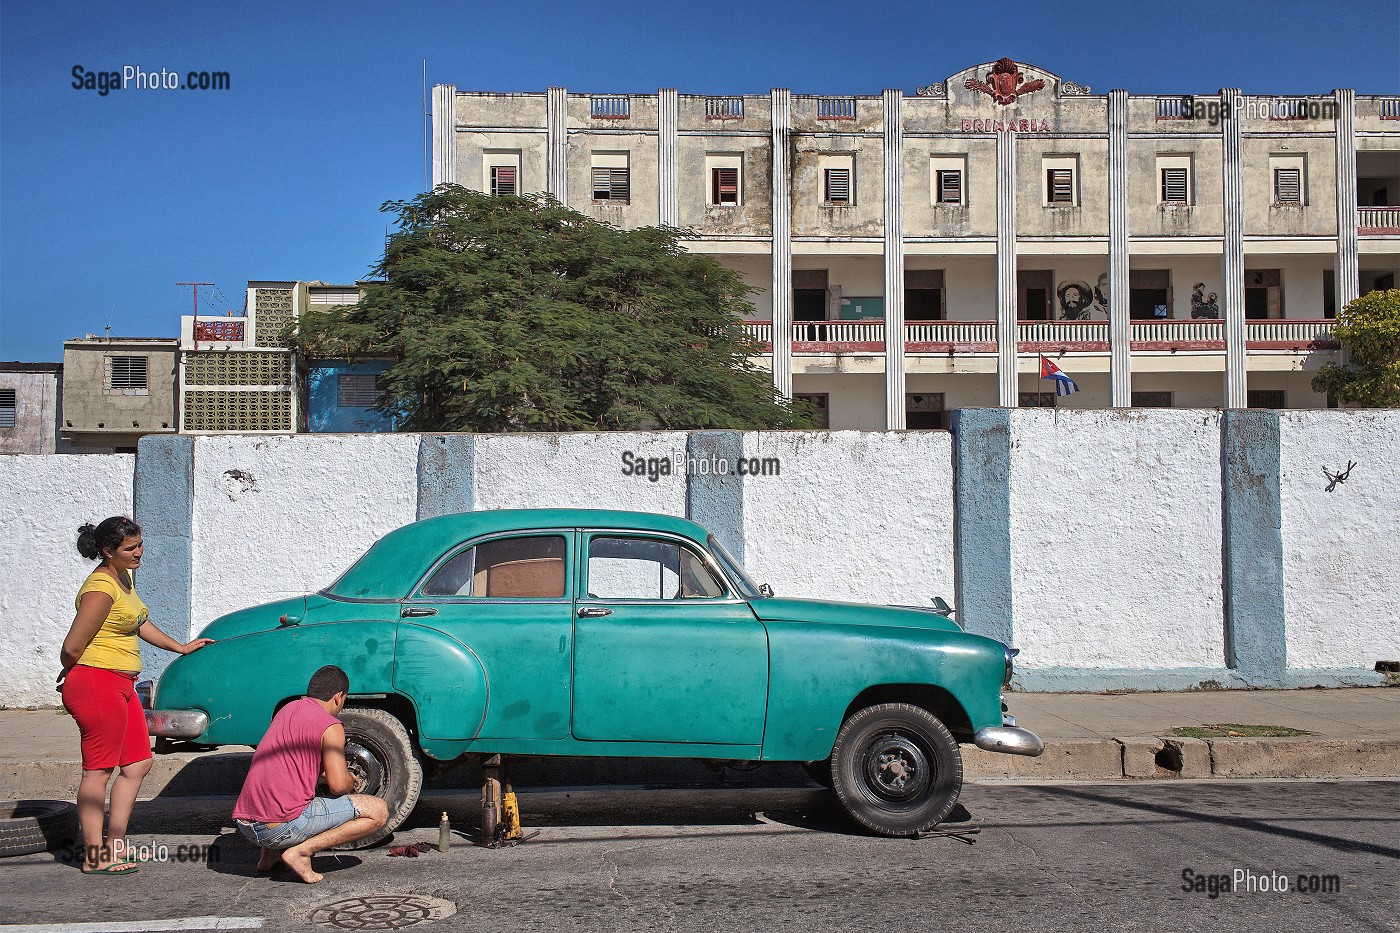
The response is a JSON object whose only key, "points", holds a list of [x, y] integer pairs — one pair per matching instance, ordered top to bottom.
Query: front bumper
{"points": [[176, 723], [1008, 740]]}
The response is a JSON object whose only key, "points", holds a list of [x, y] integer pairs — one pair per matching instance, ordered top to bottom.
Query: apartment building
{"points": [[1184, 251]]}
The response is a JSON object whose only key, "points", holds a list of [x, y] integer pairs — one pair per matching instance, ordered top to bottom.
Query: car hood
{"points": [[781, 609], [263, 618]]}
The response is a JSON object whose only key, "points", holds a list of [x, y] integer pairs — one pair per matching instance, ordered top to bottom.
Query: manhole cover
{"points": [[382, 912]]}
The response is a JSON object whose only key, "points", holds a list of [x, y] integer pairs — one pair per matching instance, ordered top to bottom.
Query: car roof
{"points": [[390, 568]]}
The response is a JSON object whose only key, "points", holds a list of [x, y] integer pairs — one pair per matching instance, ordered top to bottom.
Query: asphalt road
{"points": [[1059, 857]]}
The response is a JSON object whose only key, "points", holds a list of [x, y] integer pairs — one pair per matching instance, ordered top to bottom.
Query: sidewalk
{"points": [[1353, 733]]}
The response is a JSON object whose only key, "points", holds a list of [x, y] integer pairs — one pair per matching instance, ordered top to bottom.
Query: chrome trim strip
{"points": [[1008, 740]]}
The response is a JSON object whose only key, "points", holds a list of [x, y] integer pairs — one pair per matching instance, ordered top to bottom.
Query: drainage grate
{"points": [[382, 912]]}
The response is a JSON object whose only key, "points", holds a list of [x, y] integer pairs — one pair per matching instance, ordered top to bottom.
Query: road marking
{"points": [[139, 926]]}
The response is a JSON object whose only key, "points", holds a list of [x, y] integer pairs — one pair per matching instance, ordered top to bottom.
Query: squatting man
{"points": [[278, 809]]}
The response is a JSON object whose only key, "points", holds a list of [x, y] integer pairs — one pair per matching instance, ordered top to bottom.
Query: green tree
{"points": [[519, 314], [1369, 328]]}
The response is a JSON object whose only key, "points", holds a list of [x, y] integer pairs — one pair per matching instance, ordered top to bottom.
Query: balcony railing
{"points": [[1378, 219], [1061, 335], [1035, 336]]}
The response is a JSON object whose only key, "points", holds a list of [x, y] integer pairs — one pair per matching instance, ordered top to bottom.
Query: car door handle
{"points": [[413, 612], [592, 612]]}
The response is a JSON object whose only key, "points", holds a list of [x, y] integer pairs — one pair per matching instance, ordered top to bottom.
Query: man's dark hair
{"points": [[327, 682]]}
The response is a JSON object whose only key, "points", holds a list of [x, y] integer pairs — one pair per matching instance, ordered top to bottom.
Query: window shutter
{"points": [[503, 179], [1060, 183], [724, 185], [838, 185], [1174, 186], [1288, 186], [618, 187], [950, 187], [128, 372], [357, 390], [7, 408]]}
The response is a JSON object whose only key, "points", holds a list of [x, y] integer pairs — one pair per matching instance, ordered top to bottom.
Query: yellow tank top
{"points": [[115, 646]]}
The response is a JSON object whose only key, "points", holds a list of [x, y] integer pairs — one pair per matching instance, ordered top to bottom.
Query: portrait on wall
{"points": [[1076, 300], [1202, 305], [1099, 309]]}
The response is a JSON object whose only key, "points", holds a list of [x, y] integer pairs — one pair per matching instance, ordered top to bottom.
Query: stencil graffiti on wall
{"points": [[1080, 302]]}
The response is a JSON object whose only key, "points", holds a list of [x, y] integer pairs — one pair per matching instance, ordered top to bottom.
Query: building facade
{"points": [[1164, 251], [115, 390], [31, 403]]}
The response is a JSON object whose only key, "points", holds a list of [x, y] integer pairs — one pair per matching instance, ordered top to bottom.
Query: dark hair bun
{"points": [[87, 541]]}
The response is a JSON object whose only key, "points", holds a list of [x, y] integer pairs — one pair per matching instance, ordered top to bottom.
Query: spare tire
{"points": [[28, 826]]}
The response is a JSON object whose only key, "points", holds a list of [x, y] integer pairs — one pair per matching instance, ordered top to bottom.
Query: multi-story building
{"points": [[1163, 250], [238, 375], [116, 389]]}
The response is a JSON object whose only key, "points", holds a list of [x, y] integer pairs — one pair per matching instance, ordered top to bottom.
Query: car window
{"points": [[508, 568], [648, 568]]}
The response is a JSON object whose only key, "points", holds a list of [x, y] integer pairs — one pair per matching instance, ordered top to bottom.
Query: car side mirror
{"points": [[765, 591]]}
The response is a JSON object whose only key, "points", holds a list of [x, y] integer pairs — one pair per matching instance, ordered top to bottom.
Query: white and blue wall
{"points": [[1136, 549]]}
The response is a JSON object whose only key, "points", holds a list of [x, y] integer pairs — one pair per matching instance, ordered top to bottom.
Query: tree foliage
{"points": [[519, 314], [1369, 328]]}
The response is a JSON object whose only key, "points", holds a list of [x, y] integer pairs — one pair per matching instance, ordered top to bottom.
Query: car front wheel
{"points": [[380, 756], [896, 768]]}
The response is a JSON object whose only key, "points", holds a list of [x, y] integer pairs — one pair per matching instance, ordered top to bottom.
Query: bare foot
{"points": [[270, 859], [300, 863]]}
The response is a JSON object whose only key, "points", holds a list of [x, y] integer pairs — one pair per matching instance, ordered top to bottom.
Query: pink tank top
{"points": [[282, 778]]}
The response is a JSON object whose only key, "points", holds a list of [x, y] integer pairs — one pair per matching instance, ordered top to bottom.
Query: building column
{"points": [[781, 109], [444, 134], [557, 138], [668, 174], [1232, 258], [894, 260], [1006, 270], [1347, 279], [1120, 329]]}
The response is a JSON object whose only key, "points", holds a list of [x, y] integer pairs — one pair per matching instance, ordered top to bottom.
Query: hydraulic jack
{"points": [[500, 811]]}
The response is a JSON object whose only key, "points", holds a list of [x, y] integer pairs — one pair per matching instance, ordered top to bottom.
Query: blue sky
{"points": [[107, 202]]}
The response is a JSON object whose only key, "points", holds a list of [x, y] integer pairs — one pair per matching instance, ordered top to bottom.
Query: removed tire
{"points": [[380, 754], [896, 769], [29, 826]]}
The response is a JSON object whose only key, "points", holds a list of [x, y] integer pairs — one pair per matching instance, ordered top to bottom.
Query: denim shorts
{"points": [[321, 814]]}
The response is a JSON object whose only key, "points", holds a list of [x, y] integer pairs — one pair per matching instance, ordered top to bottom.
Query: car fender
{"points": [[445, 681], [810, 690]]}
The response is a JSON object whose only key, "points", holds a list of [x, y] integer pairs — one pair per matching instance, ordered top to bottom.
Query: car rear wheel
{"points": [[379, 754], [896, 769]]}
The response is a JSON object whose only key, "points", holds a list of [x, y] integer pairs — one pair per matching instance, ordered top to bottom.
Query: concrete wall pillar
{"points": [[668, 104], [781, 104], [444, 134], [557, 141], [1232, 258], [894, 259], [1006, 270], [1347, 279], [1119, 324], [445, 474], [716, 501], [164, 508], [982, 521], [1255, 631]]}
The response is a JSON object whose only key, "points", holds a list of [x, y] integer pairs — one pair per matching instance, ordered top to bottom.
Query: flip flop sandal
{"points": [[116, 868]]}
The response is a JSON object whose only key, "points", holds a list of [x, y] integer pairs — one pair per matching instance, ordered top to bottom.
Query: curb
{"points": [[1145, 757]]}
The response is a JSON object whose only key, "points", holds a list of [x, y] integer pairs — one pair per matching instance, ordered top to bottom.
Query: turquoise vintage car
{"points": [[583, 632]]}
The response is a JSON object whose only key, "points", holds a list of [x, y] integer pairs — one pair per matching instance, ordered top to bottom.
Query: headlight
{"points": [[1010, 653]]}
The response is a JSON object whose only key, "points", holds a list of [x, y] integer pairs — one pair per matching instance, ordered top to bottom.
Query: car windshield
{"points": [[742, 582]]}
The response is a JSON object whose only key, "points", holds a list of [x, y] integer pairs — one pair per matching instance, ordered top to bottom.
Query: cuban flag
{"points": [[1064, 385]]}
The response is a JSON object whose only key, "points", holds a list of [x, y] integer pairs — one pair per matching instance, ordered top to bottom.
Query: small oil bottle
{"points": [[444, 833]]}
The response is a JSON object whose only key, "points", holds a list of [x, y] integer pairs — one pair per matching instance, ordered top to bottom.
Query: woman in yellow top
{"points": [[101, 658]]}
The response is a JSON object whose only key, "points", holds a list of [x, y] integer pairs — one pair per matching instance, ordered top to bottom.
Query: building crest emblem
{"points": [[1004, 83]]}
